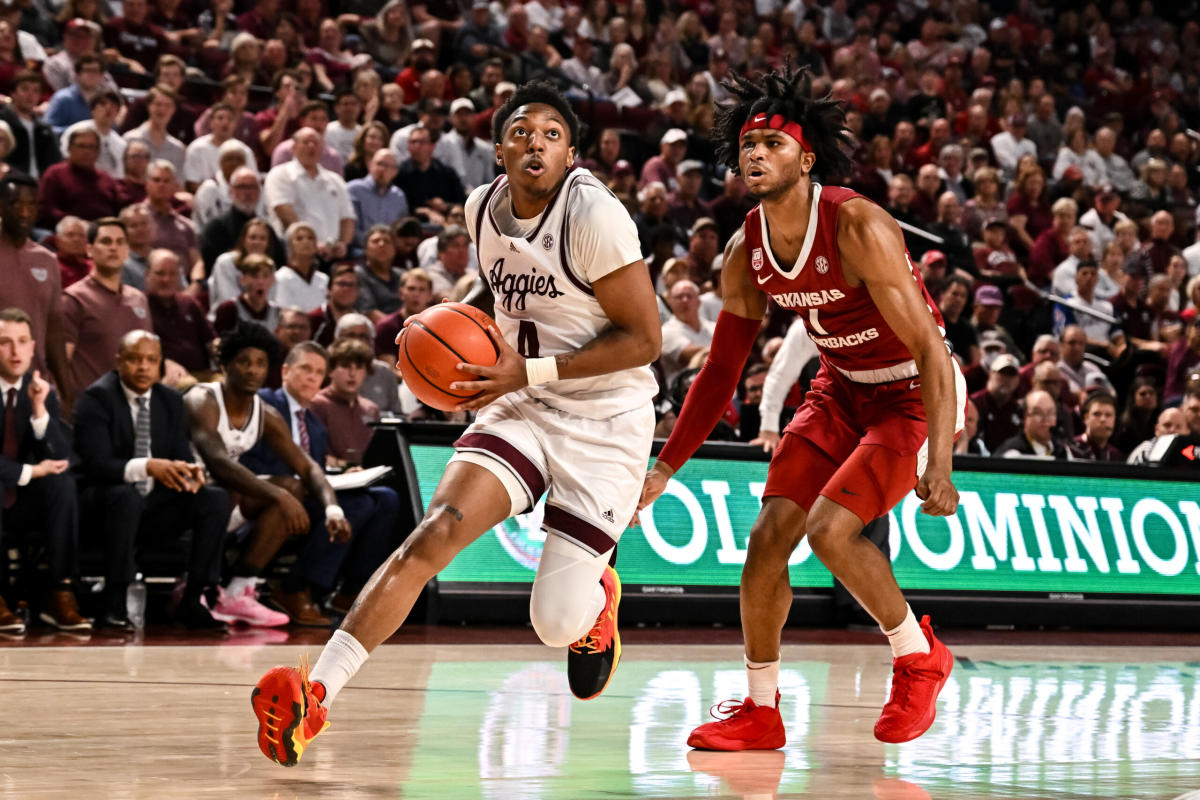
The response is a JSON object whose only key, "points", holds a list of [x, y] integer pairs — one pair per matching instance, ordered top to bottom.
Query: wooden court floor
{"points": [[496, 722]]}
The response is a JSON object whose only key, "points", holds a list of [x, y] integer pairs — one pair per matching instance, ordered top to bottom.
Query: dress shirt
{"points": [[39, 425], [135, 468]]}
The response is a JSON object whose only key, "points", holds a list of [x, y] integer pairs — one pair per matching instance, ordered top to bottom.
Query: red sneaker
{"points": [[592, 660], [916, 681], [289, 711], [746, 726]]}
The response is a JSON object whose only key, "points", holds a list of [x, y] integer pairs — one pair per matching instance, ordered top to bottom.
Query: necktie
{"points": [[302, 428], [141, 438], [10, 442]]}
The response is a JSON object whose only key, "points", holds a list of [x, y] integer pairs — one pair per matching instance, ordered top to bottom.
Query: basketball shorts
{"points": [[863, 446], [591, 470]]}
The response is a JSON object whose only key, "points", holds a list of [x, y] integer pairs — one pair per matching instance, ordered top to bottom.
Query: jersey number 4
{"points": [[527, 340]]}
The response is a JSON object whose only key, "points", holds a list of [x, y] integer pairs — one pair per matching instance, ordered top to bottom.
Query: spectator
{"points": [[260, 19], [80, 36], [388, 36], [132, 40], [581, 66], [169, 72], [235, 93], [73, 104], [104, 106], [313, 115], [431, 115], [280, 120], [483, 120], [1044, 129], [341, 133], [373, 136], [36, 147], [1076, 153], [203, 156], [474, 159], [663, 168], [1116, 169], [950, 170], [426, 181], [75, 187], [132, 188], [304, 191], [1150, 194], [213, 197], [375, 199], [684, 205], [986, 205], [1029, 209], [172, 230], [139, 232], [221, 233], [407, 236], [70, 241], [956, 244], [1050, 247], [1079, 249], [1159, 249], [454, 260], [378, 281], [299, 282], [224, 283], [416, 293], [343, 295], [254, 304], [100, 309], [1146, 322], [291, 329], [1098, 332], [185, 333], [960, 333], [685, 334], [1183, 357], [1047, 377], [380, 386], [341, 408], [999, 411], [1141, 418], [1099, 421], [1171, 422], [1036, 439], [139, 480], [39, 494], [370, 512]]}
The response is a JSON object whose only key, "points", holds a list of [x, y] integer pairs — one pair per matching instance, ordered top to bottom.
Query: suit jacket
{"points": [[43, 148], [104, 434], [30, 450], [262, 460]]}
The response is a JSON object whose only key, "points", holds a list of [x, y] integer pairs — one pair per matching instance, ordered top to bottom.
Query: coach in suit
{"points": [[139, 479], [38, 494], [371, 512]]}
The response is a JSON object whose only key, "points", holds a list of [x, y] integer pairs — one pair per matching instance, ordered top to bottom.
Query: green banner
{"points": [[1011, 533]]}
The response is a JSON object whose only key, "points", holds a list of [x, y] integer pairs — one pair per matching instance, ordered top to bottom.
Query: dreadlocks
{"points": [[787, 92]]}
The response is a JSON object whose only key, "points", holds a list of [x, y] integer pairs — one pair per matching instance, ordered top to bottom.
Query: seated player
{"points": [[229, 419]]}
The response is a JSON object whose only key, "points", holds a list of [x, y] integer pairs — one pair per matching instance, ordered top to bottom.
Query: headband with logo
{"points": [[779, 123]]}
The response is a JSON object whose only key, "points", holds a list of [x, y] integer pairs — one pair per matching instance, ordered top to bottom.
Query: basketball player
{"points": [[566, 409], [880, 417], [226, 420]]}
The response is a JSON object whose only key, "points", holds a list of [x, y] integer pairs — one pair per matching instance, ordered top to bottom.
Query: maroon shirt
{"points": [[143, 43], [70, 190], [1048, 252], [73, 269], [33, 284], [94, 320], [185, 331], [386, 331], [1181, 362], [349, 433]]}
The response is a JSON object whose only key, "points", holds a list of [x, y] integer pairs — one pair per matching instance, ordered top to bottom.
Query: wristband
{"points": [[541, 370], [334, 512]]}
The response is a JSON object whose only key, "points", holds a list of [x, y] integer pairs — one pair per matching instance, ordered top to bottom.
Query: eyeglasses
{"points": [[245, 186], [1035, 414]]}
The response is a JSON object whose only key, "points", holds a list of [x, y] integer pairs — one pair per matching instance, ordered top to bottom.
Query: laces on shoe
{"points": [[598, 638], [905, 677], [728, 709]]}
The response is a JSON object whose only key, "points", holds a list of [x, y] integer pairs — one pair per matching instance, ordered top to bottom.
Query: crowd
{"points": [[186, 182]]}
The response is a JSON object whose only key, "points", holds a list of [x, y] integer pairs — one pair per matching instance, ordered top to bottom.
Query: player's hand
{"points": [[506, 375], [39, 390], [767, 440], [50, 466], [175, 475], [653, 486], [938, 492], [294, 515], [339, 529]]}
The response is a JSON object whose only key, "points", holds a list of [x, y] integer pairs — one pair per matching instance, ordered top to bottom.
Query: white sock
{"points": [[237, 585], [907, 637], [341, 658], [763, 679]]}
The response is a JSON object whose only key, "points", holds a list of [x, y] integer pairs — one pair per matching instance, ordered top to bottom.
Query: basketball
{"points": [[433, 343]]}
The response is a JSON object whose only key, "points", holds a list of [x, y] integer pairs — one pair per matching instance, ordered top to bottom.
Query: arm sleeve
{"points": [[603, 236], [797, 350], [713, 387], [39, 424], [135, 470]]}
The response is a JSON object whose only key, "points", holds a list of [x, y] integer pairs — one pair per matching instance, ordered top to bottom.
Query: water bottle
{"points": [[135, 602]]}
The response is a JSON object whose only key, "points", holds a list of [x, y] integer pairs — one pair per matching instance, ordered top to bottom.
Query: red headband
{"points": [[778, 123]]}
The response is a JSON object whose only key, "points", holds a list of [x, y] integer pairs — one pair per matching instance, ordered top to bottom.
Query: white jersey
{"points": [[541, 271], [237, 440]]}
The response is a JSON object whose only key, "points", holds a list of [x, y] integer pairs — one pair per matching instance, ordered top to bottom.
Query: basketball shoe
{"points": [[245, 607], [592, 660], [917, 679], [289, 711], [746, 726]]}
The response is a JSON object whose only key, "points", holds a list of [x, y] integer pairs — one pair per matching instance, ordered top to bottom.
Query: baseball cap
{"points": [[480, 4], [998, 24], [81, 25], [423, 44], [504, 86], [674, 96], [460, 104], [674, 135], [688, 166], [622, 167], [1073, 173], [1106, 191], [995, 222], [701, 224], [933, 256], [988, 295], [1006, 361]]}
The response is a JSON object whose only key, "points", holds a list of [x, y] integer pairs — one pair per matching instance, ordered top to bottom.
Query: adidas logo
{"points": [[513, 247], [609, 516]]}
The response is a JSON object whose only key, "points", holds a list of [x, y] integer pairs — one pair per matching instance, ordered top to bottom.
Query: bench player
{"points": [[566, 409], [881, 415]]}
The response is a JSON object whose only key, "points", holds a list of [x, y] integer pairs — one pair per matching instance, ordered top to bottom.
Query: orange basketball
{"points": [[433, 343]]}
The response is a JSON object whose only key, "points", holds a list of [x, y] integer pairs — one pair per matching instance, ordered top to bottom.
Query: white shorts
{"points": [[592, 468]]}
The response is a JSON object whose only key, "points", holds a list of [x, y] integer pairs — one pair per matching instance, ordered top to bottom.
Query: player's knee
{"points": [[825, 537], [428, 546], [555, 624]]}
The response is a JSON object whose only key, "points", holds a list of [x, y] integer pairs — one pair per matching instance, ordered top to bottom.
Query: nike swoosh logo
{"points": [[762, 279], [914, 385], [847, 491]]}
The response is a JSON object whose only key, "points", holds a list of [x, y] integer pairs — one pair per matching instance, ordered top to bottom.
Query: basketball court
{"points": [[486, 713]]}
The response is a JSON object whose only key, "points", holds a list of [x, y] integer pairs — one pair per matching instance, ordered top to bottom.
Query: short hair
{"points": [[85, 59], [169, 60], [27, 76], [230, 81], [277, 81], [163, 91], [535, 92], [787, 92], [104, 96], [221, 106], [311, 106], [84, 131], [163, 164], [14, 179], [1064, 204], [66, 222], [104, 222], [405, 226], [378, 227], [295, 228], [449, 234], [158, 254], [255, 264], [345, 268], [419, 274], [951, 280], [14, 314], [353, 320], [136, 335], [244, 336], [305, 347], [350, 352], [1101, 398]]}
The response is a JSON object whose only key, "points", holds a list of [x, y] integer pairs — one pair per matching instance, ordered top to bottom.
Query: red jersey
{"points": [[843, 322]]}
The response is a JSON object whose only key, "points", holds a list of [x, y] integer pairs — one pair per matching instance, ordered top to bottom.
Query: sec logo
{"points": [[756, 259], [822, 264]]}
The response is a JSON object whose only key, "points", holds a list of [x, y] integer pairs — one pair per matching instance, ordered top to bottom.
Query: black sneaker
{"points": [[194, 614], [592, 660]]}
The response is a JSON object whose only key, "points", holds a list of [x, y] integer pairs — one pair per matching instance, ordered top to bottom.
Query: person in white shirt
{"points": [[580, 67], [161, 103], [105, 106], [431, 114], [340, 133], [1010, 144], [203, 156], [474, 159], [1116, 169], [303, 190], [213, 198], [1102, 217], [1079, 245], [1191, 254], [453, 262], [299, 283], [685, 334], [795, 353]]}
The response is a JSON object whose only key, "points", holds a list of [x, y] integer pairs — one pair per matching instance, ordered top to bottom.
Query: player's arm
{"points": [[872, 252], [742, 309], [202, 417], [278, 437]]}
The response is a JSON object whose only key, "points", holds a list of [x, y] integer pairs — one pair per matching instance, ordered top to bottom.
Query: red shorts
{"points": [[857, 444]]}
